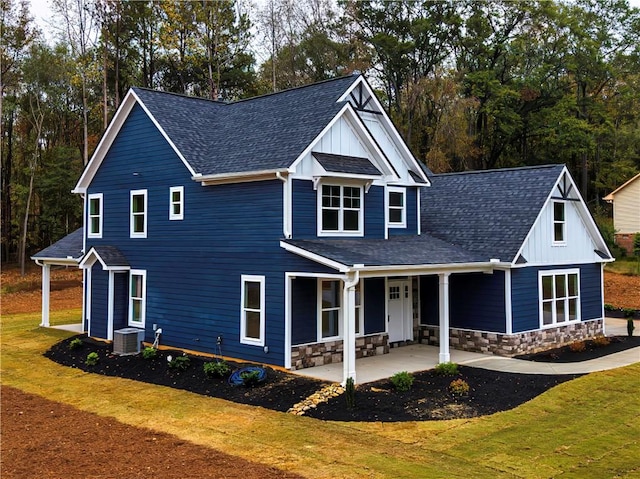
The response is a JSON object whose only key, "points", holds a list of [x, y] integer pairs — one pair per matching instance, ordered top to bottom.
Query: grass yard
{"points": [[586, 428]]}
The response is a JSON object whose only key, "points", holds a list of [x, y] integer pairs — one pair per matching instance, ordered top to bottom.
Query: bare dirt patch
{"points": [[621, 290], [46, 439]]}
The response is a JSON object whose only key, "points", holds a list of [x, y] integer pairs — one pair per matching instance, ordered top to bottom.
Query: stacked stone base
{"points": [[513, 344], [319, 354]]}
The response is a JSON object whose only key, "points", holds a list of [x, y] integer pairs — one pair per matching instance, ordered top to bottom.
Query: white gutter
{"points": [[238, 177], [286, 204]]}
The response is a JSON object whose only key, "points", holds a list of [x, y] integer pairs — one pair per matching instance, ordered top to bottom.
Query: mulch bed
{"points": [[592, 350]]}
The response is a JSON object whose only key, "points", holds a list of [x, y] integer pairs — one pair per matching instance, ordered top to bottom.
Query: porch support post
{"points": [[46, 292], [111, 296], [349, 328], [444, 357]]}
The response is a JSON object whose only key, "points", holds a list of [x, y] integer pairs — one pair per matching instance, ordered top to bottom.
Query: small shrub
{"points": [[609, 307], [628, 312], [630, 327], [601, 341], [75, 344], [577, 347], [149, 352], [92, 359], [180, 363], [216, 369], [447, 369], [250, 378], [402, 381], [459, 387], [350, 393]]}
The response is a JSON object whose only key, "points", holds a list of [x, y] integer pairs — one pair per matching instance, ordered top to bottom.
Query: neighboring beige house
{"points": [[626, 212]]}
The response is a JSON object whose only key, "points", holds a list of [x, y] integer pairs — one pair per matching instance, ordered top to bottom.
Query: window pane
{"points": [[175, 196], [331, 196], [351, 197], [396, 199], [138, 204], [94, 206], [176, 208], [558, 211], [395, 215], [330, 220], [351, 222], [138, 224], [95, 225], [558, 232], [573, 285], [136, 286], [561, 286], [547, 287], [330, 294], [252, 295], [573, 309], [560, 313], [136, 314], [547, 315], [357, 319], [330, 323], [252, 326]]}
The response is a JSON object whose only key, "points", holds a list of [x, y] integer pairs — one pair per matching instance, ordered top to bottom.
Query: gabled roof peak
{"points": [[181, 95], [501, 170]]}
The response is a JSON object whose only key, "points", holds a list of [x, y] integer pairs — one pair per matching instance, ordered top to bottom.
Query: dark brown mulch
{"points": [[592, 350], [429, 399], [50, 440]]}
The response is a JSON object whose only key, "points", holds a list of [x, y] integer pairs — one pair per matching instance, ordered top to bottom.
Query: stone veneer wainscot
{"points": [[319, 354]]}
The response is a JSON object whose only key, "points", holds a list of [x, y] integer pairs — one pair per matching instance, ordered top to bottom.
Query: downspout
{"points": [[285, 205], [349, 325]]}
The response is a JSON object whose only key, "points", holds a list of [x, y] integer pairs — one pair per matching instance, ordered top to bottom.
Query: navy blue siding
{"points": [[411, 199], [374, 212], [194, 266], [525, 295], [99, 301], [476, 301], [374, 305], [304, 321]]}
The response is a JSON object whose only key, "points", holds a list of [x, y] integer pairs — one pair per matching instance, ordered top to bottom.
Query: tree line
{"points": [[470, 84]]}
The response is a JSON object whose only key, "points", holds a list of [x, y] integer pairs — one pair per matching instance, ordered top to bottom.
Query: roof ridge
{"points": [[286, 90], [181, 95], [499, 170]]}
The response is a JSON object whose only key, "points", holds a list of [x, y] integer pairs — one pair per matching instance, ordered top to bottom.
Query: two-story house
{"points": [[297, 229]]}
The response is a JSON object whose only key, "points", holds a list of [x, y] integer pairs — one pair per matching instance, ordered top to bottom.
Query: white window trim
{"points": [[93, 196], [172, 215], [403, 223], [340, 231], [140, 234], [563, 242], [245, 278], [321, 309], [143, 310], [554, 323]]}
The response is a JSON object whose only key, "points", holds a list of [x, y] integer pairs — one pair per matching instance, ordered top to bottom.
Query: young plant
{"points": [[630, 327], [601, 341], [75, 344], [577, 347], [149, 352], [92, 359], [181, 363], [216, 369], [447, 369], [250, 378], [402, 381], [459, 387], [350, 393]]}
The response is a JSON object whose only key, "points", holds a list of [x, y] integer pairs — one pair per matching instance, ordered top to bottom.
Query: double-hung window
{"points": [[396, 201], [176, 202], [340, 210], [138, 212], [95, 216], [559, 223], [137, 297], [559, 297], [330, 309], [359, 310], [252, 312]]}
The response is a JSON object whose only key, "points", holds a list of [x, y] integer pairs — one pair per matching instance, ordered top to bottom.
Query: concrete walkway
{"points": [[418, 357]]}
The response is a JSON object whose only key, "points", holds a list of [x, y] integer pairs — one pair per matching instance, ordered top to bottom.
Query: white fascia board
{"points": [[388, 123], [110, 135], [240, 177], [92, 256], [316, 258], [57, 261], [430, 269]]}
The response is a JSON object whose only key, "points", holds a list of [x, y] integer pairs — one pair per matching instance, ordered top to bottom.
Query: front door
{"points": [[399, 310]]}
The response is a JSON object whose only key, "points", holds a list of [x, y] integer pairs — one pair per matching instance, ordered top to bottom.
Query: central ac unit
{"points": [[127, 341]]}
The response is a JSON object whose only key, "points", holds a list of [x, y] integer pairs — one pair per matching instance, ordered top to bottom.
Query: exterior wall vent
{"points": [[127, 341]]}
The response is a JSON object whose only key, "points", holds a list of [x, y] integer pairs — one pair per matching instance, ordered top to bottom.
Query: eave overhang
{"points": [[240, 177]]}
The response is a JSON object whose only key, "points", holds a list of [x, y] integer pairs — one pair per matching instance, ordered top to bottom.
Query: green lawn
{"points": [[628, 265], [586, 428]]}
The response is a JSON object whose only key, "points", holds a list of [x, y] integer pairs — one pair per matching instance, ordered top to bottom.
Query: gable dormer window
{"points": [[397, 209], [340, 210], [559, 223]]}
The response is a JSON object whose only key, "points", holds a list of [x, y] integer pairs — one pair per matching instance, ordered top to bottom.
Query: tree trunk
{"points": [[25, 224]]}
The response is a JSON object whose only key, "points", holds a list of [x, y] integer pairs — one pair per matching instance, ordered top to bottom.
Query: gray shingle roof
{"points": [[261, 133], [346, 164], [487, 212], [68, 247], [397, 250], [111, 255]]}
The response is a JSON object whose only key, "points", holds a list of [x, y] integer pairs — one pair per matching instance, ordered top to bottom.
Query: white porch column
{"points": [[46, 292], [349, 328], [444, 357]]}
